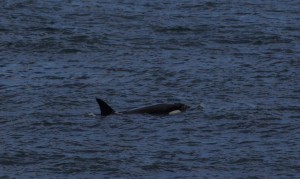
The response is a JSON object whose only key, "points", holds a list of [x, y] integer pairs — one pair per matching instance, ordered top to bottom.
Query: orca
{"points": [[158, 109]]}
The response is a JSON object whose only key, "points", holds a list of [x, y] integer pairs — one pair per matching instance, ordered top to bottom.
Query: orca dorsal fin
{"points": [[105, 108]]}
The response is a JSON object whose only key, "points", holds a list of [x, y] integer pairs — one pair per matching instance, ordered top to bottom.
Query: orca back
{"points": [[104, 107], [159, 109]]}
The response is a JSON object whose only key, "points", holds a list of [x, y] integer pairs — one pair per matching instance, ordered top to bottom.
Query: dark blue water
{"points": [[236, 63]]}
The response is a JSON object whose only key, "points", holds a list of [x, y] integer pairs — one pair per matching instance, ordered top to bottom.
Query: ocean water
{"points": [[236, 63]]}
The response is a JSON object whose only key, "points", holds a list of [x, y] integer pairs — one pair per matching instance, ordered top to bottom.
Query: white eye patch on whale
{"points": [[158, 109]]}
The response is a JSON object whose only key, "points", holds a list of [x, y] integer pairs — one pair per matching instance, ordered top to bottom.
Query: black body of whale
{"points": [[158, 109]]}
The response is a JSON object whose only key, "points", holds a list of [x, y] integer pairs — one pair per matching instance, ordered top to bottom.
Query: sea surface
{"points": [[236, 63]]}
